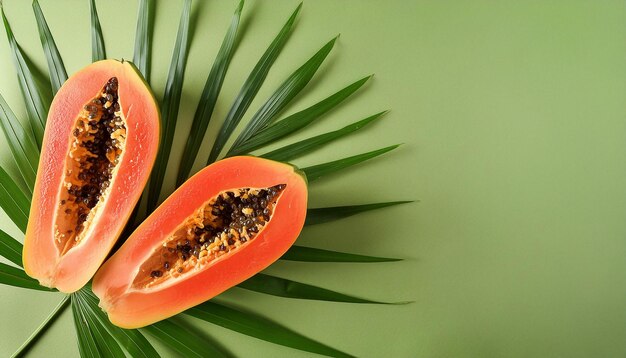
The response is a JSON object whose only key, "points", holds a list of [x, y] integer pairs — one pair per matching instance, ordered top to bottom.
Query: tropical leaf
{"points": [[98, 51], [142, 57], [58, 75], [251, 87], [209, 96], [282, 96], [37, 101], [170, 105], [300, 119], [21, 143], [305, 146], [317, 171], [13, 201], [323, 215], [10, 248], [310, 254], [14, 276], [282, 287], [259, 327], [130, 339], [183, 340], [90, 341]]}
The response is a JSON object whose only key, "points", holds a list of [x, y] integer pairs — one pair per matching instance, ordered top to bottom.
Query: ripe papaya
{"points": [[99, 146], [226, 223]]}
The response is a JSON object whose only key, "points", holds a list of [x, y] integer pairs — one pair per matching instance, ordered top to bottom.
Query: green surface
{"points": [[513, 119]]}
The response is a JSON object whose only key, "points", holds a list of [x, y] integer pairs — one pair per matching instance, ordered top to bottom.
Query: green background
{"points": [[513, 119]]}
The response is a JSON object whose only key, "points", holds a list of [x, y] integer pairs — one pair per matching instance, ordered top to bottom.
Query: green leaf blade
{"points": [[98, 51], [142, 57], [58, 75], [251, 87], [287, 91], [209, 96], [37, 103], [170, 105], [300, 119], [21, 143], [305, 146], [317, 171], [13, 201], [316, 216], [10, 248], [310, 254], [14, 276], [281, 287], [259, 327], [130, 339], [182, 340], [87, 346]]}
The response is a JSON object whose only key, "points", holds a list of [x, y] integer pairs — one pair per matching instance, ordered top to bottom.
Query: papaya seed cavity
{"points": [[224, 224]]}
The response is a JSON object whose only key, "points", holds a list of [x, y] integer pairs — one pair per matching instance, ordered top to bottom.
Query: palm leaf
{"points": [[98, 51], [142, 57], [55, 64], [251, 87], [283, 95], [209, 96], [37, 102], [170, 104], [300, 119], [21, 143], [305, 146], [317, 171], [13, 201], [323, 215], [10, 248], [310, 254], [14, 276], [276, 286], [259, 327], [131, 339], [90, 340], [182, 340]]}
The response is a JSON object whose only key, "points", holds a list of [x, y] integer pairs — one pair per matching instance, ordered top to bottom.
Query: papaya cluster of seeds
{"points": [[96, 144], [224, 224]]}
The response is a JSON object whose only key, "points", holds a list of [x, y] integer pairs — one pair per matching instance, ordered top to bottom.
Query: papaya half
{"points": [[99, 146], [226, 223]]}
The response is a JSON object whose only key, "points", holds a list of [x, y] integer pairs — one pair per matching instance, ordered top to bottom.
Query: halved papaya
{"points": [[99, 146], [226, 223]]}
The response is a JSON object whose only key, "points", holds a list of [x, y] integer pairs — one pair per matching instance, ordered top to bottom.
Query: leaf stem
{"points": [[42, 327]]}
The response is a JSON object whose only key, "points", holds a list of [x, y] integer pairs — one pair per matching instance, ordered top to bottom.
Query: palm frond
{"points": [[98, 51], [142, 57], [58, 75], [251, 87], [287, 91], [209, 96], [37, 101], [170, 105], [299, 120], [21, 143], [295, 150], [317, 171], [13, 201], [317, 216], [10, 248], [310, 254], [14, 276], [282, 287], [259, 327], [130, 339], [93, 340], [183, 340]]}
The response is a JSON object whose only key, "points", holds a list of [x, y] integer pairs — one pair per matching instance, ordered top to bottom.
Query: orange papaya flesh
{"points": [[99, 146], [226, 223]]}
